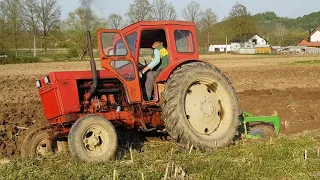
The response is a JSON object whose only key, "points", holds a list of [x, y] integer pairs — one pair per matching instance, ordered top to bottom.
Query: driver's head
{"points": [[156, 44]]}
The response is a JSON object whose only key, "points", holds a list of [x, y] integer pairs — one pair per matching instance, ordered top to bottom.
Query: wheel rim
{"points": [[207, 107], [95, 140], [41, 149]]}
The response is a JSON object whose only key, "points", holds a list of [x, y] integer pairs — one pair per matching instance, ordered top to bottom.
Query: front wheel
{"points": [[200, 107], [93, 139], [35, 144]]}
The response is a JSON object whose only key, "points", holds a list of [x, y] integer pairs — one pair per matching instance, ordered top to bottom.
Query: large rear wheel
{"points": [[200, 107], [93, 139]]}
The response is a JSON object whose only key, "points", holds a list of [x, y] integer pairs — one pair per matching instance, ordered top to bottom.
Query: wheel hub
{"points": [[207, 108], [202, 109], [95, 140], [41, 148]]}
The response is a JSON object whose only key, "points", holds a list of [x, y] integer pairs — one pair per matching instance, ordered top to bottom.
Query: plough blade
{"points": [[249, 118]]}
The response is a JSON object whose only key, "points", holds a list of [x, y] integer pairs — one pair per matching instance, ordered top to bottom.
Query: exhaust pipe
{"points": [[92, 65]]}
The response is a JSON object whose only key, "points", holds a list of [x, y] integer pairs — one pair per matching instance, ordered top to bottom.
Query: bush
{"points": [[72, 53], [11, 58]]}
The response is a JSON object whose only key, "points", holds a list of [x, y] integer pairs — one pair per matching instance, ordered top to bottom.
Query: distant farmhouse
{"points": [[256, 40], [313, 40], [256, 44], [220, 48]]}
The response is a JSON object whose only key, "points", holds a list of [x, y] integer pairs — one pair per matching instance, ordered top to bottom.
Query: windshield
{"points": [[113, 45]]}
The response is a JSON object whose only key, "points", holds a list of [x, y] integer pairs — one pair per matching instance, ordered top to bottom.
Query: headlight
{"points": [[46, 80], [38, 84]]}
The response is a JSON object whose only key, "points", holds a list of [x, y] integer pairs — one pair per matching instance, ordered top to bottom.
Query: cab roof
{"points": [[157, 23]]}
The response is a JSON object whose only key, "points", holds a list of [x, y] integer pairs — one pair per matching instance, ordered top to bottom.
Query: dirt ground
{"points": [[265, 84]]}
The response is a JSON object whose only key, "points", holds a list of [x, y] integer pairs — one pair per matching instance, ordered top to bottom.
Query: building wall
{"points": [[315, 37], [235, 47], [219, 48], [263, 50], [247, 51]]}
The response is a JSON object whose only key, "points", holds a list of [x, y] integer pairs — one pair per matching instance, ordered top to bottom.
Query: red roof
{"points": [[305, 42]]}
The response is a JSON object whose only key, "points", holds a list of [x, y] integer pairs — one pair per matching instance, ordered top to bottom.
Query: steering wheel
{"points": [[141, 66]]}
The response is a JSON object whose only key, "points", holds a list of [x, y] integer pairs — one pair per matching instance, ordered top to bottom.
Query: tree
{"points": [[11, 9], [139, 10], [163, 10], [238, 10], [48, 12], [192, 12], [30, 19], [208, 19], [115, 21], [242, 23], [76, 25], [3, 29], [280, 32]]}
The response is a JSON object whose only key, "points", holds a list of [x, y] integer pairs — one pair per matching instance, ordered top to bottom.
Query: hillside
{"points": [[306, 22], [278, 30]]}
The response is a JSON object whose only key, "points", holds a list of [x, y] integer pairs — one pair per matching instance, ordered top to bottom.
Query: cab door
{"points": [[115, 55]]}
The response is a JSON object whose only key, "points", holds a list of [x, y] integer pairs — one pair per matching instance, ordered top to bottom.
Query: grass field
{"points": [[289, 85], [287, 157]]}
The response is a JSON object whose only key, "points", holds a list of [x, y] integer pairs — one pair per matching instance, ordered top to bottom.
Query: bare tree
{"points": [[12, 10], [139, 10], [163, 10], [48, 12], [192, 12], [30, 19], [208, 19], [115, 21], [77, 23], [3, 28], [280, 32]]}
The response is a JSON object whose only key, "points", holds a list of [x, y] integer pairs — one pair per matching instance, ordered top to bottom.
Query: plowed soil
{"points": [[265, 85]]}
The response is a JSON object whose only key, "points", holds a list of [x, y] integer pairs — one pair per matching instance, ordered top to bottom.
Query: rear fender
{"points": [[165, 73]]}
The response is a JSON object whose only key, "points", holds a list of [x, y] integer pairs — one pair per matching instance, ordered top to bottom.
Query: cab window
{"points": [[131, 40], [184, 41], [113, 45]]}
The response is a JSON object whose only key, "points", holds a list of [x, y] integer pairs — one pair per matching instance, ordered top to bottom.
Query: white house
{"points": [[315, 35], [256, 40], [219, 48]]}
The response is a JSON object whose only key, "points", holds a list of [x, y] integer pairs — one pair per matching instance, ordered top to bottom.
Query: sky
{"points": [[283, 8]]}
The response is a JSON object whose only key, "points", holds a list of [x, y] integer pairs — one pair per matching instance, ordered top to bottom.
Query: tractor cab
{"points": [[125, 52]]}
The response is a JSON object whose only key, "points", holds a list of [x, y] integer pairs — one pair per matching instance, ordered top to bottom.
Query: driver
{"points": [[159, 61]]}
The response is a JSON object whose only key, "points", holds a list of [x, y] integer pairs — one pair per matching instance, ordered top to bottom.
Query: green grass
{"points": [[26, 56], [308, 62], [278, 158]]}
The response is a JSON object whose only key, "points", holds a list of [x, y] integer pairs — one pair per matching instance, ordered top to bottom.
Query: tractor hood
{"points": [[59, 91]]}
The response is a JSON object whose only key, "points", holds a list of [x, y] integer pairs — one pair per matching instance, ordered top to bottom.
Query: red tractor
{"points": [[193, 101]]}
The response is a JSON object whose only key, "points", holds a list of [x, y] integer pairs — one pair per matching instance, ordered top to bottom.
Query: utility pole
{"points": [[208, 40], [226, 44], [34, 47]]}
